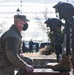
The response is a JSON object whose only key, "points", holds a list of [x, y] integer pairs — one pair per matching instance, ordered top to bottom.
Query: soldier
{"points": [[65, 11], [71, 21], [55, 28], [31, 46], [10, 48]]}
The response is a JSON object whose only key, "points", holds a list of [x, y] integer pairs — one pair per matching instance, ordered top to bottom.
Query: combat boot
{"points": [[72, 61], [64, 65]]}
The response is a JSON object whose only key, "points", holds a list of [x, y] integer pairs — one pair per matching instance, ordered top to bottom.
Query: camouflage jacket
{"points": [[10, 43]]}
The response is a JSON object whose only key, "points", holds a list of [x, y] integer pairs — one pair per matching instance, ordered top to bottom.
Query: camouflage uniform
{"points": [[9, 52]]}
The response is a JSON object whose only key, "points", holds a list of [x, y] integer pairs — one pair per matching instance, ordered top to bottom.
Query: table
{"points": [[41, 61], [48, 72]]}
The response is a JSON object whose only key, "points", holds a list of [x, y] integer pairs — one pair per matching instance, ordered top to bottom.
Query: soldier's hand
{"points": [[29, 68]]}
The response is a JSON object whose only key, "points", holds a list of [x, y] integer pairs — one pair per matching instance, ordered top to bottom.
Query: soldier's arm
{"points": [[11, 49]]}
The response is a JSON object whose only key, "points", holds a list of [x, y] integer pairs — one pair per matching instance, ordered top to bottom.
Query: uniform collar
{"points": [[16, 29]]}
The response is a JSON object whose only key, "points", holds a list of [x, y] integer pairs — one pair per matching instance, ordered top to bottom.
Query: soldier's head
{"points": [[65, 10], [21, 22], [53, 23]]}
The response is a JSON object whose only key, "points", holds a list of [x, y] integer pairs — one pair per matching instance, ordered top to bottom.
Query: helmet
{"points": [[64, 9], [53, 23]]}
